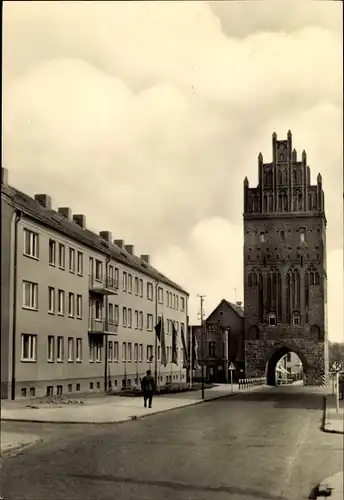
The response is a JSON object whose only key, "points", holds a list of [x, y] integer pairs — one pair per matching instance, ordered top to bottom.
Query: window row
{"points": [[57, 257], [74, 350]]}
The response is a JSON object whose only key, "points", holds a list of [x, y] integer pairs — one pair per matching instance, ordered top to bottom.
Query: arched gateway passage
{"points": [[275, 357]]}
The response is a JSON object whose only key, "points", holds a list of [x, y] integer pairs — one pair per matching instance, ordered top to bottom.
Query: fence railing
{"points": [[246, 383]]}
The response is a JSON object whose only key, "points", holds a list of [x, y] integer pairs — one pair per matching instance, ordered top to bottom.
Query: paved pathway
{"points": [[111, 409], [14, 441]]}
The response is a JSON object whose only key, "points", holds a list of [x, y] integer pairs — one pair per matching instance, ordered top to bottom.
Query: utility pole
{"points": [[201, 297]]}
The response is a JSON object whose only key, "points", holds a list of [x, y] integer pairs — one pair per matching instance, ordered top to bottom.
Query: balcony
{"points": [[106, 285], [101, 326]]}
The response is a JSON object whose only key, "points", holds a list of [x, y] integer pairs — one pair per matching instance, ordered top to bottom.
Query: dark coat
{"points": [[148, 383]]}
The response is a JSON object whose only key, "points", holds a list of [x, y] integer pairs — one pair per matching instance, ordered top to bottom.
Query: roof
{"points": [[46, 216], [238, 310]]}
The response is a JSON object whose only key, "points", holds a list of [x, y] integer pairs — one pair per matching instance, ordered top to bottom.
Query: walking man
{"points": [[148, 387]]}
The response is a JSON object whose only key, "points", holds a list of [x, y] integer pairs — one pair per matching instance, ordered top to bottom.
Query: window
{"points": [[302, 234], [282, 235], [262, 237], [31, 244], [52, 252], [62, 256], [72, 260], [90, 267], [80, 268], [99, 270], [116, 277], [125, 281], [130, 283], [136, 286], [141, 287], [30, 295], [160, 295], [51, 298], [167, 298], [61, 302], [177, 302], [182, 304], [71, 305], [79, 306], [99, 310], [116, 314], [111, 316], [125, 317], [130, 318], [136, 319], [272, 319], [296, 319], [141, 320], [149, 322], [167, 326], [28, 347], [50, 348], [91, 348], [70, 349], [79, 349], [212, 349], [110, 350], [115, 351], [124, 351], [98, 352], [136, 352], [130, 353], [141, 353], [149, 353], [59, 356], [70, 387], [77, 387], [59, 389], [50, 390], [32, 392]]}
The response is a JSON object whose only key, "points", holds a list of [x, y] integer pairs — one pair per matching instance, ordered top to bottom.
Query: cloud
{"points": [[147, 117]]}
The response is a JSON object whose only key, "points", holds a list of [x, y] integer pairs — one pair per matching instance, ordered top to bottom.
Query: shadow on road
{"points": [[285, 397], [245, 492]]}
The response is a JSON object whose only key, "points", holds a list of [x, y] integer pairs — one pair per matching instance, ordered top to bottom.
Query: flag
{"points": [[157, 329], [162, 342], [174, 345], [185, 349], [195, 364]]}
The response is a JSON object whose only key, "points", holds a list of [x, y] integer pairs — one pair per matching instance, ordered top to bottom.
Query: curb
{"points": [[128, 419], [324, 423], [11, 450]]}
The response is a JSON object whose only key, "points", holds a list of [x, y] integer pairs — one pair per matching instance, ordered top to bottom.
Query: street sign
{"points": [[337, 366], [231, 367]]}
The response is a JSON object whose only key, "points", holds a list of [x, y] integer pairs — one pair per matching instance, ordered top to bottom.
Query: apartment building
{"points": [[78, 309]]}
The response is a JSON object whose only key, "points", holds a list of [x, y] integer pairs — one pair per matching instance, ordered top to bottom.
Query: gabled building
{"points": [[223, 342]]}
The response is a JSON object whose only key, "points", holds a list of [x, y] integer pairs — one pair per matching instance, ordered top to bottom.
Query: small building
{"points": [[223, 343]]}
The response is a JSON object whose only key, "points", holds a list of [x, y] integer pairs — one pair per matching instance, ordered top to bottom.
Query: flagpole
{"points": [[156, 339], [190, 355]]}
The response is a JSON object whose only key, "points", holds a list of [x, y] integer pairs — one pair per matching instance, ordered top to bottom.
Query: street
{"points": [[260, 445]]}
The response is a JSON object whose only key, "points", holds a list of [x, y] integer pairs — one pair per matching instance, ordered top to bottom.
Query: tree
{"points": [[336, 351]]}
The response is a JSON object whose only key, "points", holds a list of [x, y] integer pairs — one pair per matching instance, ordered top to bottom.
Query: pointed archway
{"points": [[274, 358]]}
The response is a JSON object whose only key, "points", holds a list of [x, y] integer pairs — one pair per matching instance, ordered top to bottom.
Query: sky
{"points": [[146, 117]]}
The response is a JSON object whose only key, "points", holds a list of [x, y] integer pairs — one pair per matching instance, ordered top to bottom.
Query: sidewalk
{"points": [[111, 409], [334, 422], [12, 441], [335, 484]]}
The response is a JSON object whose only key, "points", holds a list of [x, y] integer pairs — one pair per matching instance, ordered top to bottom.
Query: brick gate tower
{"points": [[285, 282]]}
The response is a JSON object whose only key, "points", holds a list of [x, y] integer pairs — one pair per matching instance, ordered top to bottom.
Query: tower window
{"points": [[302, 234], [282, 235], [262, 237], [272, 319], [296, 319]]}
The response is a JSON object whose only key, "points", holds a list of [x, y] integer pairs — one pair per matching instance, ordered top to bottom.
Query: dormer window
{"points": [[272, 319], [296, 319]]}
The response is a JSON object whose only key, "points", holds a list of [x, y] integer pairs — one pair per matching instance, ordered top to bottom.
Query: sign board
{"points": [[337, 366], [231, 367]]}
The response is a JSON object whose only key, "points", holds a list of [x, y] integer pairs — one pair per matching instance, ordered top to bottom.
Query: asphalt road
{"points": [[259, 445]]}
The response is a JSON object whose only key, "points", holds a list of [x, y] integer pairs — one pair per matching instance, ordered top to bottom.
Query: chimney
{"points": [[4, 176], [44, 200], [66, 212], [80, 219], [106, 235], [119, 243], [129, 249], [145, 258], [239, 303]]}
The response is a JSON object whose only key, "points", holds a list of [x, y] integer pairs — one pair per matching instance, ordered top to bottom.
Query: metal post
{"points": [[156, 339], [202, 345], [190, 356], [231, 380], [337, 391]]}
